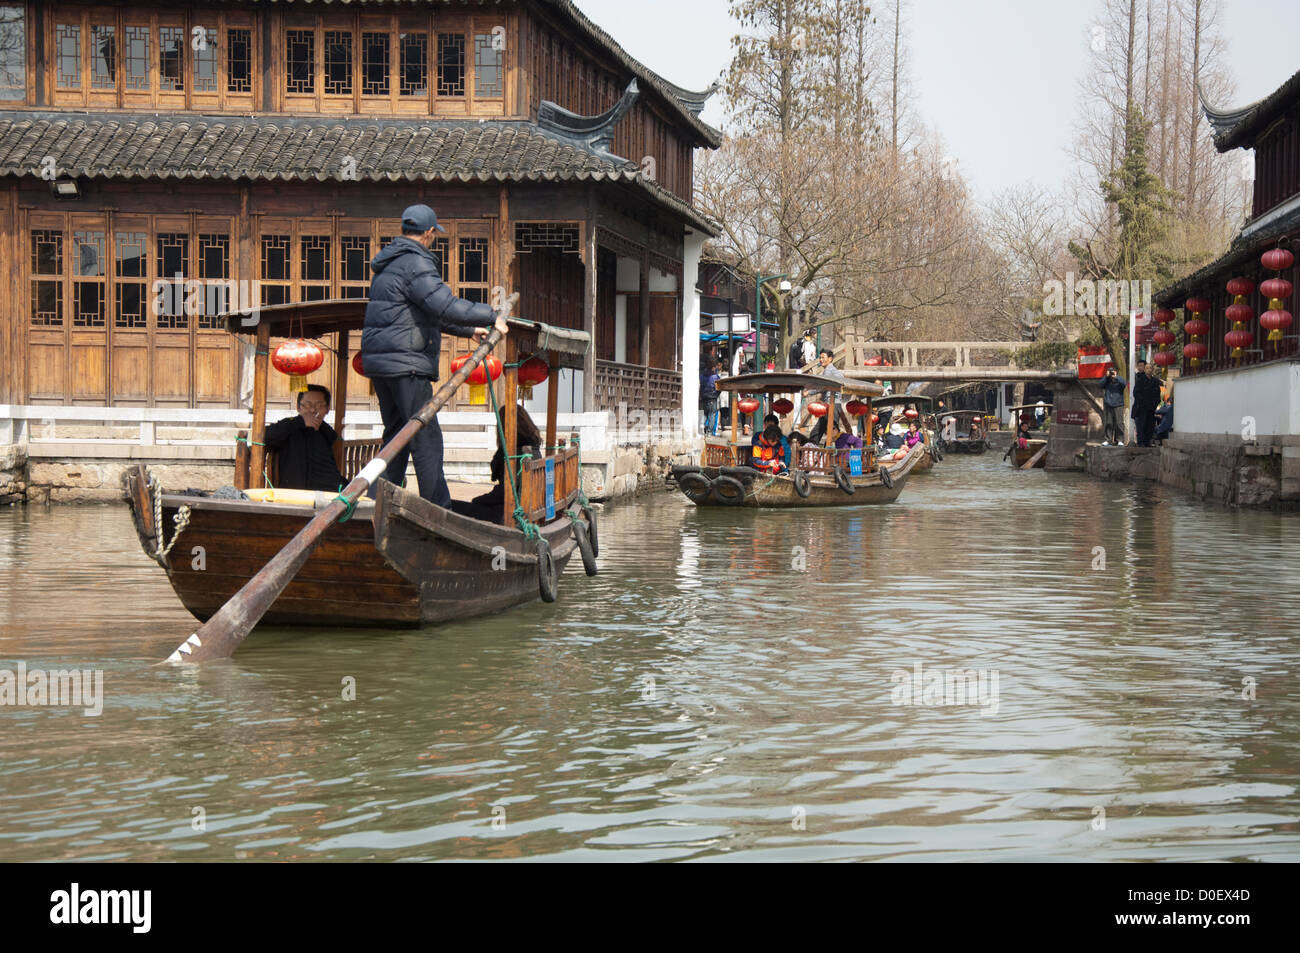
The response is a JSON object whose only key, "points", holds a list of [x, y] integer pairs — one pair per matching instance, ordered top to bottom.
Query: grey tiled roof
{"points": [[1238, 128], [187, 146]]}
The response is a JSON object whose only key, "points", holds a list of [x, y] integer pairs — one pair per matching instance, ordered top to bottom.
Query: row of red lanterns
{"points": [[1275, 320]]}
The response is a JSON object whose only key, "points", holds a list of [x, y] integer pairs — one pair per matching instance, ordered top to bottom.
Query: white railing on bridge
{"points": [[858, 351]]}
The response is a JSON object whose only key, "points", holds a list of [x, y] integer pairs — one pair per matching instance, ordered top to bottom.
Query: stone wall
{"points": [[628, 470], [1265, 472], [13, 475], [100, 481]]}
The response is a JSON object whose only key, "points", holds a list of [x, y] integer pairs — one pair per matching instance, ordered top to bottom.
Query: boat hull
{"points": [[965, 445], [768, 492], [402, 562]]}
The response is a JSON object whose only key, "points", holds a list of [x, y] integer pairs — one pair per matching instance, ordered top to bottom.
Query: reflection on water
{"points": [[723, 688]]}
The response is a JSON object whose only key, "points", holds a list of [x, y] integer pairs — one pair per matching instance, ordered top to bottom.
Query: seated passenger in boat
{"points": [[913, 435], [896, 436], [304, 445], [771, 450], [490, 506]]}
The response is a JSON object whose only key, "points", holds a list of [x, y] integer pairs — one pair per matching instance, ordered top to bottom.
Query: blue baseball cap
{"points": [[420, 218]]}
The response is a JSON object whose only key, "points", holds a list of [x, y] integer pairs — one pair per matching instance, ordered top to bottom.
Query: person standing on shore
{"points": [[1112, 397], [1146, 398]]}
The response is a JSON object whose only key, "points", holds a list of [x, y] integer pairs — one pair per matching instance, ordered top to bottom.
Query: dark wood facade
{"points": [[267, 150]]}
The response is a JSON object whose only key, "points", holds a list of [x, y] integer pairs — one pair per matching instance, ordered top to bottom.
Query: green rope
{"points": [[251, 443], [350, 505], [529, 529]]}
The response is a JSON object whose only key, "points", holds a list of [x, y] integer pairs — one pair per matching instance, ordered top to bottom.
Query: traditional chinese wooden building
{"points": [[266, 150], [1237, 403]]}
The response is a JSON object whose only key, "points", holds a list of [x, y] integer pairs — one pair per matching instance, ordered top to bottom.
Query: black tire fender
{"points": [[680, 471], [743, 474], [886, 478], [843, 482], [802, 485], [696, 486], [729, 490], [590, 516], [580, 534], [546, 575]]}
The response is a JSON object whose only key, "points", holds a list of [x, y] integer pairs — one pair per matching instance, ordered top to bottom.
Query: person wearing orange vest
{"points": [[771, 450]]}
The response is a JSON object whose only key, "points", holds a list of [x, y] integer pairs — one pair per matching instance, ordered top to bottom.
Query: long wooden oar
{"points": [[223, 633]]}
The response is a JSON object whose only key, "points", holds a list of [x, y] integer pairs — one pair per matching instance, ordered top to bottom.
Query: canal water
{"points": [[1000, 666]]}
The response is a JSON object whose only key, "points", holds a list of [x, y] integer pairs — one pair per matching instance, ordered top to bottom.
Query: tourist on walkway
{"points": [[709, 397], [1146, 398], [1112, 399]]}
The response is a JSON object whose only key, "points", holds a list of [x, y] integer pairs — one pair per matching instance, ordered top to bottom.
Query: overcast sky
{"points": [[997, 79]]}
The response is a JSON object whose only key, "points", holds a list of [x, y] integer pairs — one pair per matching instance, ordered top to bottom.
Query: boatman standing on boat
{"points": [[409, 311]]}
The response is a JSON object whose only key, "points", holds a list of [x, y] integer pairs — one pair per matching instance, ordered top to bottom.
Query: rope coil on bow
{"points": [[181, 520]]}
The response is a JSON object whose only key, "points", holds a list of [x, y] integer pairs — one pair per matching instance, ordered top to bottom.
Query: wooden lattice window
{"points": [[13, 53], [103, 54], [67, 55], [136, 57], [171, 58], [205, 60], [239, 60], [300, 60], [338, 62], [376, 63], [451, 64], [414, 67], [488, 67], [561, 236], [442, 251], [314, 261], [172, 262], [354, 265], [275, 269], [130, 272], [214, 272], [472, 276], [88, 279], [47, 290]]}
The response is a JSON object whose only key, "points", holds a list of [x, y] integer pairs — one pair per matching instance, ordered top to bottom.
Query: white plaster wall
{"points": [[693, 244], [629, 276], [620, 328], [1217, 403]]}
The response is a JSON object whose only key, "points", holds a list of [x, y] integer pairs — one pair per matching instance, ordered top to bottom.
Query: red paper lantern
{"points": [[1277, 259], [1237, 287], [1275, 288], [1198, 305], [1239, 313], [1164, 316], [1276, 322], [1196, 327], [1163, 337], [1238, 340], [1195, 350], [1164, 358], [297, 359], [872, 361], [358, 365], [532, 371], [478, 375], [478, 378], [747, 405], [782, 406], [817, 408], [856, 408], [910, 414], [875, 418]]}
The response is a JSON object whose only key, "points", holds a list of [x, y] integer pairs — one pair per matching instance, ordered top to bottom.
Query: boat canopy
{"points": [[311, 319], [791, 383], [894, 400], [963, 413]]}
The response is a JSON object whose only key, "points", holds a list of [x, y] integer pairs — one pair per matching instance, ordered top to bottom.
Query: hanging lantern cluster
{"points": [[1239, 313], [1276, 319], [1196, 327], [297, 358], [1163, 358], [532, 371], [478, 378], [782, 406]]}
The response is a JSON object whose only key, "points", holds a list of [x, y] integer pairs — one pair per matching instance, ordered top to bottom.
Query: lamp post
{"points": [[783, 287]]}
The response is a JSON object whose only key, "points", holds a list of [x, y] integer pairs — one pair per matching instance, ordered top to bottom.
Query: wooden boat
{"points": [[921, 406], [965, 435], [1034, 455], [819, 476], [397, 561]]}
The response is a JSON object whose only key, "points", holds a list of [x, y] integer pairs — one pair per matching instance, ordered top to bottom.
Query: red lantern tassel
{"points": [[297, 383]]}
